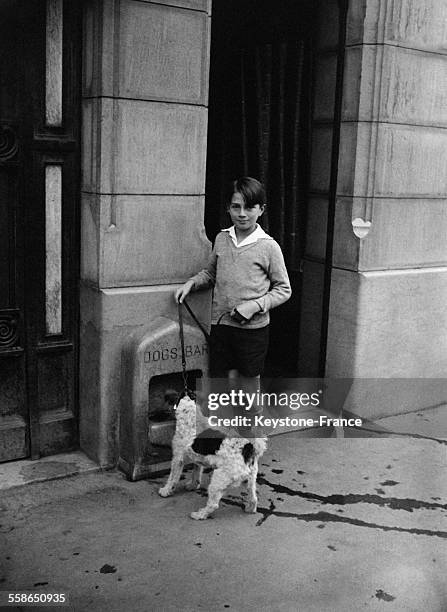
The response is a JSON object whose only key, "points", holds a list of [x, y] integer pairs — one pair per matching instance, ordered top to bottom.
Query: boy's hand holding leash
{"points": [[183, 291]]}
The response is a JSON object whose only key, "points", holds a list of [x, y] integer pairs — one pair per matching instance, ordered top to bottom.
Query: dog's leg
{"points": [[174, 477], [196, 478], [220, 480], [252, 498]]}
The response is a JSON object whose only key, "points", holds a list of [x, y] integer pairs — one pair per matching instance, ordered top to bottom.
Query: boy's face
{"points": [[244, 218]]}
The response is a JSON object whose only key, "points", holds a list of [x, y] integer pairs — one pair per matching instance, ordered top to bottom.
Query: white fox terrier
{"points": [[235, 460]]}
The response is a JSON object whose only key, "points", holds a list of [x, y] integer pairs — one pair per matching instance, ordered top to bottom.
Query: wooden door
{"points": [[259, 117], [39, 226]]}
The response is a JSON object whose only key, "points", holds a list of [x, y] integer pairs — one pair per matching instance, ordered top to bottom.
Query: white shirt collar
{"points": [[253, 237]]}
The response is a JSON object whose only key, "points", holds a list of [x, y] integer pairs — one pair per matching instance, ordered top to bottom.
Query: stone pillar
{"points": [[145, 94], [388, 315]]}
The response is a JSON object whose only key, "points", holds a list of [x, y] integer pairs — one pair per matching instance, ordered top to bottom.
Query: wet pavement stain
{"points": [[406, 435], [277, 471], [389, 483], [393, 503], [265, 515], [327, 517], [107, 569], [384, 596]]}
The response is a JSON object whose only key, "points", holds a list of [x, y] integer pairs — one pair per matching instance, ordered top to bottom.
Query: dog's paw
{"points": [[165, 492], [251, 507], [200, 515]]}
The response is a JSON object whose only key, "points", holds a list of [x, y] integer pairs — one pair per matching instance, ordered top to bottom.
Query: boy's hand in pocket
{"points": [[247, 309]]}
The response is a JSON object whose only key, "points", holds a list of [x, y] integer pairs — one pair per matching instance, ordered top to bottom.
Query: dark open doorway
{"points": [[259, 118]]}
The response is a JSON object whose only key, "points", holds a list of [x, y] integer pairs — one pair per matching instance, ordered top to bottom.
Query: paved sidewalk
{"points": [[342, 525]]}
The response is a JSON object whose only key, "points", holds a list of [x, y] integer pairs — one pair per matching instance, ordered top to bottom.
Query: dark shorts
{"points": [[239, 349]]}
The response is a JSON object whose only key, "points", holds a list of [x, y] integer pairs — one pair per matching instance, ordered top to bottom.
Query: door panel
{"points": [[39, 229]]}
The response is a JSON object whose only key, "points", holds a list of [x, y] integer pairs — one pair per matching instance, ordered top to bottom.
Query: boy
{"points": [[247, 271]]}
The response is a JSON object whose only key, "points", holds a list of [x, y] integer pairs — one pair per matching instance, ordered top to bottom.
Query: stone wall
{"points": [[145, 94], [389, 289]]}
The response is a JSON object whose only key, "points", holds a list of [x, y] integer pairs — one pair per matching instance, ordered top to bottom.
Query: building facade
{"points": [[121, 120]]}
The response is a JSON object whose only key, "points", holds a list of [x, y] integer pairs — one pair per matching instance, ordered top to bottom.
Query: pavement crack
{"points": [[394, 503]]}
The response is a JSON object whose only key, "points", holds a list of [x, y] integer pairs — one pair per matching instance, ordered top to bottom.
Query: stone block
{"points": [[355, 22], [414, 24], [417, 24], [163, 53], [99, 58], [354, 71], [325, 82], [396, 85], [414, 87], [97, 145], [160, 148], [353, 158], [392, 160], [411, 161], [320, 172], [316, 228], [404, 233], [90, 237], [147, 243], [346, 246], [108, 318], [376, 329]]}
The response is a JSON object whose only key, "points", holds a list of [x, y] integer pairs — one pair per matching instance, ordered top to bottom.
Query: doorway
{"points": [[259, 125], [39, 226]]}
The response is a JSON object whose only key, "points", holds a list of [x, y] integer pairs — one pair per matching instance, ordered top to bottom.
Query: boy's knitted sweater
{"points": [[255, 271]]}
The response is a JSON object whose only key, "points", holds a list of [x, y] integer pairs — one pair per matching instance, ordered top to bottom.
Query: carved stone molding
{"points": [[9, 328]]}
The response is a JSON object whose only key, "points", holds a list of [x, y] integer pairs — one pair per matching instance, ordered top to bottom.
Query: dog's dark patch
{"points": [[208, 442], [248, 452]]}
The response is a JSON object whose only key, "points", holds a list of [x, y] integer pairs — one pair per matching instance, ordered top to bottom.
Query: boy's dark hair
{"points": [[250, 189]]}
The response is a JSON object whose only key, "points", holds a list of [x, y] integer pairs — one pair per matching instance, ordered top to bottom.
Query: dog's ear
{"points": [[189, 394], [171, 397]]}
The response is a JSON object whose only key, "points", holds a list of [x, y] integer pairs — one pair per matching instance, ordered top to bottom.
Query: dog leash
{"points": [[189, 309], [186, 388]]}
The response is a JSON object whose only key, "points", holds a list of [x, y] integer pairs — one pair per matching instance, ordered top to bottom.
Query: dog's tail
{"points": [[253, 450]]}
